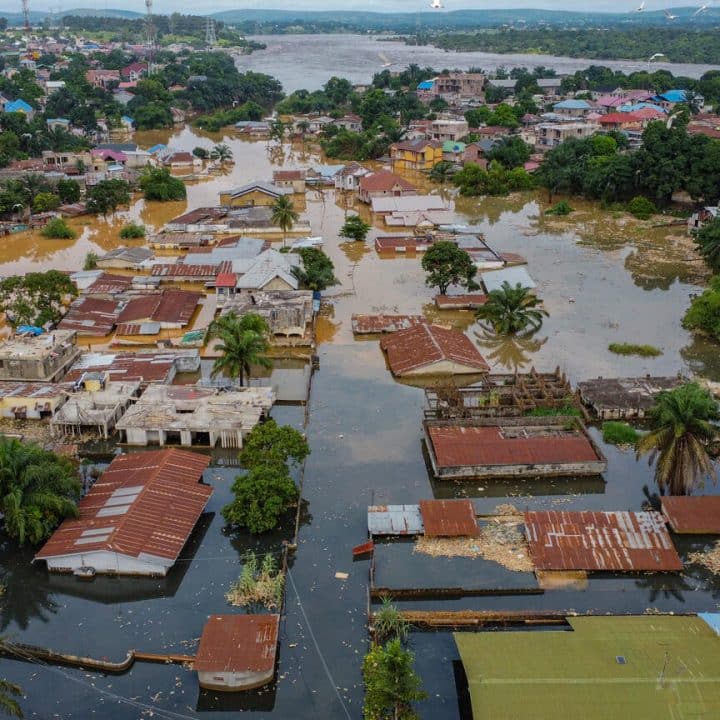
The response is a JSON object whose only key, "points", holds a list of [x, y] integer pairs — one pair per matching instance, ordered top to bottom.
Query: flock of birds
{"points": [[438, 5]]}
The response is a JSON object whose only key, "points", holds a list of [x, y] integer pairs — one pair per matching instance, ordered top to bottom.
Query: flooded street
{"points": [[301, 61], [607, 280]]}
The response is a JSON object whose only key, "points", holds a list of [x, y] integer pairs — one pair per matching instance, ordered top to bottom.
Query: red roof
{"points": [[619, 118], [179, 157], [288, 175], [384, 181], [194, 272], [226, 280], [109, 284], [172, 306], [91, 316], [422, 346], [126, 367], [459, 446], [163, 501], [698, 515], [449, 518], [621, 541], [238, 643]]}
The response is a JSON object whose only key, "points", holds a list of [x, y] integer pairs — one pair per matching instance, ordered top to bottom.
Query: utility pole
{"points": [[26, 14], [149, 34], [210, 37]]}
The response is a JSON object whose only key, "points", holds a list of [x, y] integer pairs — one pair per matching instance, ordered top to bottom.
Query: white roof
{"points": [[408, 203], [267, 266], [513, 275]]}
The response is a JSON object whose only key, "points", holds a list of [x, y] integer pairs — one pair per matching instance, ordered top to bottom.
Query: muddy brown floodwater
{"points": [[603, 279]]}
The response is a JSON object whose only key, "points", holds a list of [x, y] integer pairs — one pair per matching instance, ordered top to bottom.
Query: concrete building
{"points": [[459, 85], [453, 130], [550, 135], [416, 155], [293, 179], [383, 183], [253, 194], [125, 258], [271, 270], [46, 357], [30, 401], [187, 415], [136, 518]]}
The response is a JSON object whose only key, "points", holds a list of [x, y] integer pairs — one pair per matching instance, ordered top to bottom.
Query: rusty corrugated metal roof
{"points": [[196, 272], [109, 284], [173, 306], [91, 316], [373, 324], [423, 346], [126, 366], [19, 388], [460, 446], [146, 503], [693, 515], [449, 518], [395, 520], [612, 541], [238, 643]]}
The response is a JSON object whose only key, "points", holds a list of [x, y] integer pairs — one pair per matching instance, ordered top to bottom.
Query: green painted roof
{"points": [[450, 146], [671, 670]]}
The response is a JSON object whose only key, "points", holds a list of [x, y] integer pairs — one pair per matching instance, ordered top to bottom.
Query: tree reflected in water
{"points": [[510, 351], [665, 585]]}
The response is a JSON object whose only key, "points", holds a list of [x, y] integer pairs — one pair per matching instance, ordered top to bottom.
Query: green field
{"points": [[671, 671]]}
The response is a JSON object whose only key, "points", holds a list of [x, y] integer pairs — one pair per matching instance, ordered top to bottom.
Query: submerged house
{"points": [[136, 518]]}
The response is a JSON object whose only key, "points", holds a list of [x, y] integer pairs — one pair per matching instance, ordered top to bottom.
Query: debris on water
{"points": [[709, 559], [342, 575]]}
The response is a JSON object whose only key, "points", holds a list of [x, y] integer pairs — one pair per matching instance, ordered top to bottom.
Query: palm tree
{"points": [[303, 127], [277, 130], [222, 153], [442, 172], [284, 215], [512, 310], [244, 340], [681, 425], [38, 489], [8, 704]]}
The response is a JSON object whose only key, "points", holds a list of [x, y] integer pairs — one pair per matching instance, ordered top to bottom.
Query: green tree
{"points": [[201, 152], [511, 152], [222, 153], [442, 172], [158, 184], [69, 191], [107, 196], [45, 202], [641, 208], [284, 214], [355, 228], [58, 229], [132, 231], [708, 243], [91, 259], [446, 264], [317, 272], [35, 298], [510, 310], [704, 311], [241, 346], [681, 426], [271, 444], [38, 489], [262, 495], [391, 683], [8, 692]]}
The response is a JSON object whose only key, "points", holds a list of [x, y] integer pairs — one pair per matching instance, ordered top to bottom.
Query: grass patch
{"points": [[560, 209], [633, 349], [564, 411], [619, 433], [258, 584]]}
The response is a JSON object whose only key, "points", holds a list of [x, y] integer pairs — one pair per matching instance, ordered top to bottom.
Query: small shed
{"points": [[237, 652]]}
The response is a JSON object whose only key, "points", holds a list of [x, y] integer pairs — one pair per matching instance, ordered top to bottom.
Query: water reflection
{"points": [[508, 351], [702, 356], [668, 586]]}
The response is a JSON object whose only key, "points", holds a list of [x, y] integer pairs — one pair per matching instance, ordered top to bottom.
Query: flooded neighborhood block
{"points": [[601, 541]]}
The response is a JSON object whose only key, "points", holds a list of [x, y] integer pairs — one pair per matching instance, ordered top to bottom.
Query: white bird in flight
{"points": [[436, 5], [641, 8], [703, 8], [669, 16]]}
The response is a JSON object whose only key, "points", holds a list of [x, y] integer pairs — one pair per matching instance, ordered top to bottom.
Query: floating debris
{"points": [[709, 559]]}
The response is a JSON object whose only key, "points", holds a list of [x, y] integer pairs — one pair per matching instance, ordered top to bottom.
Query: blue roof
{"points": [[426, 85], [673, 96], [18, 105], [573, 105], [641, 106], [127, 119], [55, 121], [156, 148], [328, 171], [712, 619]]}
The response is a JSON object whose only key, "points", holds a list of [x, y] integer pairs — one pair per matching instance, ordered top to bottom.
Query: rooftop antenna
{"points": [[26, 14], [149, 34], [210, 36]]}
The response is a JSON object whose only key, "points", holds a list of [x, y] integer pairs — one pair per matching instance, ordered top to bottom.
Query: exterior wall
{"points": [[423, 160], [255, 198], [276, 284], [444, 367], [46, 369], [31, 405], [110, 563], [231, 681]]}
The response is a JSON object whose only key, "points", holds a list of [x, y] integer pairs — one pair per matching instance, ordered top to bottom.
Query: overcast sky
{"points": [[208, 6]]}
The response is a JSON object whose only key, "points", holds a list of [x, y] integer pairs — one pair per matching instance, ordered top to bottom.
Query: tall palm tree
{"points": [[303, 127], [277, 130], [222, 153], [442, 172], [284, 214], [512, 310], [243, 343], [681, 425], [38, 489], [8, 705]]}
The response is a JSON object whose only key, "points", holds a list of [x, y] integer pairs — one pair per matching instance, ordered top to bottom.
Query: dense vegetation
{"points": [[445, 264], [35, 298], [512, 310], [704, 312], [634, 349]]}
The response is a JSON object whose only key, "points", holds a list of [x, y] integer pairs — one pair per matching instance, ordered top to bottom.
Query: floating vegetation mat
{"points": [[500, 541], [709, 559]]}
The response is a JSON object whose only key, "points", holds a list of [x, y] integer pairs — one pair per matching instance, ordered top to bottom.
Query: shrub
{"points": [[159, 184], [45, 202], [641, 208], [560, 209], [58, 229], [131, 231], [90, 261], [704, 311], [632, 349], [566, 410], [619, 433], [258, 585], [389, 624]]}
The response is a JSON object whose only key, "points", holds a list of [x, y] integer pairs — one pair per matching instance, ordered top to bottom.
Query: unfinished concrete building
{"points": [[288, 313], [43, 358], [624, 398], [96, 411], [189, 415]]}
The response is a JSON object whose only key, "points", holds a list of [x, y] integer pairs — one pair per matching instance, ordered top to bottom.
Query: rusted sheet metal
{"points": [[203, 214], [402, 244], [513, 259], [194, 272], [109, 284], [470, 301], [170, 306], [91, 316], [373, 324], [145, 328], [423, 347], [125, 367], [37, 390], [459, 446], [144, 504], [693, 515], [449, 518], [395, 520], [612, 541], [238, 643]]}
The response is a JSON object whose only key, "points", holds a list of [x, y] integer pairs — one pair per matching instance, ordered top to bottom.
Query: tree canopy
{"points": [[158, 184], [107, 196], [355, 228], [446, 264], [318, 270], [35, 298], [512, 310]]}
